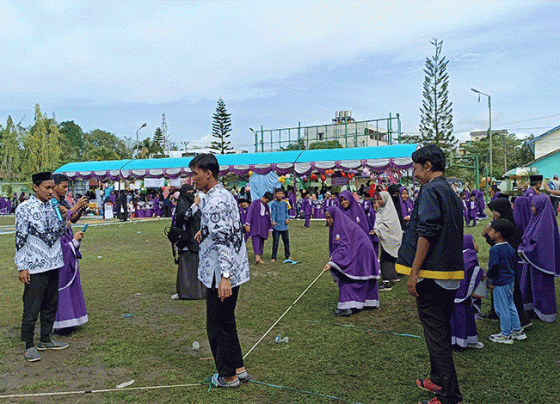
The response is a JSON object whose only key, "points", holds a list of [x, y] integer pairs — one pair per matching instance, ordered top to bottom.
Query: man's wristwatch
{"points": [[225, 275]]}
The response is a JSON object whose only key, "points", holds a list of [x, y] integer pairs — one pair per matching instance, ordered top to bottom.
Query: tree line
{"points": [[46, 145]]}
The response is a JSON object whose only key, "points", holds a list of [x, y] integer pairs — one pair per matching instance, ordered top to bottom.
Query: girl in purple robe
{"points": [[293, 203], [406, 204], [464, 204], [480, 204], [317, 207], [243, 208], [351, 208], [306, 209], [472, 209], [158, 211], [371, 216], [258, 224], [541, 250], [353, 264], [71, 311], [463, 320]]}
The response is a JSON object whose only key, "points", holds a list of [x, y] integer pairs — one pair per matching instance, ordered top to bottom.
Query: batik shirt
{"points": [[38, 233], [222, 246]]}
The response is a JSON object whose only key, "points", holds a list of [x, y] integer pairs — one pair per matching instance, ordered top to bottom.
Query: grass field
{"points": [[128, 270]]}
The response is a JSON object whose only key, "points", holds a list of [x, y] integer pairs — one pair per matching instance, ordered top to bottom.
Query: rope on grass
{"points": [[280, 318], [367, 329], [305, 391], [63, 393]]}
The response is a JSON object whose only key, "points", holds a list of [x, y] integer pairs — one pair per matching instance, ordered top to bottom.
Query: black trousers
{"points": [[285, 240], [40, 296], [435, 307], [222, 331]]}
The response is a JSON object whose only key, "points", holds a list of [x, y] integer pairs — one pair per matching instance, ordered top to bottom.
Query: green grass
{"points": [[136, 275]]}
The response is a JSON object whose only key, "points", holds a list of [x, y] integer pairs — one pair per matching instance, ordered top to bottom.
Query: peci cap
{"points": [[40, 177], [535, 178]]}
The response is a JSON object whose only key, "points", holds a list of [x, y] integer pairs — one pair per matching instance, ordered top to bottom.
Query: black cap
{"points": [[40, 177], [535, 178], [502, 195]]}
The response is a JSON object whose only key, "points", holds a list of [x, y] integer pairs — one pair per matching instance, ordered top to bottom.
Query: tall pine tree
{"points": [[436, 124], [221, 126], [158, 137], [9, 150]]}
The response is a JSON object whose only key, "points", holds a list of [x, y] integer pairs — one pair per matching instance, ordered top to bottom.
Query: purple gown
{"points": [[530, 193], [293, 204], [480, 204], [465, 205], [307, 210], [318, 210], [158, 211], [355, 211], [372, 214], [522, 215], [258, 217], [243, 219], [541, 250], [354, 265], [71, 310], [463, 319]]}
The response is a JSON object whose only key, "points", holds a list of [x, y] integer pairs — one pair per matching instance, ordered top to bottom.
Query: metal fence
{"points": [[374, 132]]}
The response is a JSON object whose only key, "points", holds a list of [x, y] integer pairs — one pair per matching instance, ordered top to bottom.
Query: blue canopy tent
{"points": [[302, 162]]}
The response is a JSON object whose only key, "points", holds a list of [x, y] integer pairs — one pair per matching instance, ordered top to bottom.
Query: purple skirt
{"points": [[355, 294], [71, 310], [463, 324]]}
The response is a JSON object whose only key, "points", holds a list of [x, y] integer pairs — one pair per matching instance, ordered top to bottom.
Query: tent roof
{"points": [[299, 161]]}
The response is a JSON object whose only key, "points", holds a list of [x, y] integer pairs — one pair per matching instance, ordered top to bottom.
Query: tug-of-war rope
{"points": [[202, 383]]}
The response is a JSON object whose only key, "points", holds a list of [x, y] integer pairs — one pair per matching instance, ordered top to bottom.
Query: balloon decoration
{"points": [[329, 172], [250, 173], [342, 173], [287, 176], [350, 176], [313, 177], [323, 177], [304, 178], [282, 179], [248, 188]]}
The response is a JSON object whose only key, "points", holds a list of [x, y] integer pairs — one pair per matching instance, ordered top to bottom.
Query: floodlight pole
{"points": [[489, 127], [137, 143]]}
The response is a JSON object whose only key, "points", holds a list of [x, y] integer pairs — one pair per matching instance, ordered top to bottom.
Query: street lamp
{"points": [[489, 126], [137, 143]]}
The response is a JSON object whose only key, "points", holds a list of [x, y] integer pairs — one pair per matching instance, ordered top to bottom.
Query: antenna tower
{"points": [[164, 130]]}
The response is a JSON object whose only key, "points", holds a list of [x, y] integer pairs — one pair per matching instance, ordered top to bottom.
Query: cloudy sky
{"points": [[114, 65]]}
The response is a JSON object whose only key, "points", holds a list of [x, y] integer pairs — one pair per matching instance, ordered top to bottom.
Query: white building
{"points": [[546, 143]]}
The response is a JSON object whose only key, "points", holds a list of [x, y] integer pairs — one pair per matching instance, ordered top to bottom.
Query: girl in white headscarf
{"points": [[388, 229]]}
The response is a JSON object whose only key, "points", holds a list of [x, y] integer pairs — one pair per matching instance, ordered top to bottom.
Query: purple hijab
{"points": [[406, 206], [354, 211], [522, 213], [541, 240], [351, 253], [473, 272]]}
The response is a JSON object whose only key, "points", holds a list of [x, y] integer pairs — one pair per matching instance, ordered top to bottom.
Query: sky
{"points": [[114, 65]]}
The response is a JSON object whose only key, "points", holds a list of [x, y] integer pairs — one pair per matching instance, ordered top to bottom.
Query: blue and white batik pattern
{"points": [[38, 233], [222, 246]]}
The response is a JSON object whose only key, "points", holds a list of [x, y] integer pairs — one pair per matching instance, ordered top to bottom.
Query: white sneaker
{"points": [[175, 297], [518, 335], [501, 338], [476, 345]]}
